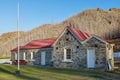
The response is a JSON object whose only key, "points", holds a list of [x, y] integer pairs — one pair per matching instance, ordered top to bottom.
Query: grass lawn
{"points": [[4, 57], [7, 72]]}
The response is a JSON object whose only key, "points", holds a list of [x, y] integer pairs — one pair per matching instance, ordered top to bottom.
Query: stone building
{"points": [[72, 49], [36, 52]]}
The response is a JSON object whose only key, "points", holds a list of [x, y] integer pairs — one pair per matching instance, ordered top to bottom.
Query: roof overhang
{"points": [[94, 36]]}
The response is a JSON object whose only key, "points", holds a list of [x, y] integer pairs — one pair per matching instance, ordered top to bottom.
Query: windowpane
{"points": [[68, 53]]}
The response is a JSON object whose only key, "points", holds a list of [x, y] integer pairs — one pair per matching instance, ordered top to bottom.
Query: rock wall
{"points": [[79, 52], [100, 52], [48, 57], [36, 58]]}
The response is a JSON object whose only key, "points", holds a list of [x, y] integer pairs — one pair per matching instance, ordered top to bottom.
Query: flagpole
{"points": [[18, 25]]}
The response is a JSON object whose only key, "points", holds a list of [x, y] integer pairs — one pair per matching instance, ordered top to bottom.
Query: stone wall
{"points": [[78, 52], [100, 52], [36, 58], [48, 58]]}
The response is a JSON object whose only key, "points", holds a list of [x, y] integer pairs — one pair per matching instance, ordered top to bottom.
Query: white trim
{"points": [[94, 37], [31, 55], [65, 55], [16, 56], [24, 56], [68, 60]]}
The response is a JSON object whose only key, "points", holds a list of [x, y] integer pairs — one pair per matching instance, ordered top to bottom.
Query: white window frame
{"points": [[65, 55], [16, 56], [24, 56], [32, 56]]}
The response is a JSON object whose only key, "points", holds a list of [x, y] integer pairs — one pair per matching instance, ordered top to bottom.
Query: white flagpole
{"points": [[18, 25]]}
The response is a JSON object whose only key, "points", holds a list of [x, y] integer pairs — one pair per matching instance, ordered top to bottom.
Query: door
{"points": [[43, 54], [91, 58]]}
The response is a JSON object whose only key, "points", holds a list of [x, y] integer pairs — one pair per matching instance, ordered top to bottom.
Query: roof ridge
{"points": [[79, 33]]}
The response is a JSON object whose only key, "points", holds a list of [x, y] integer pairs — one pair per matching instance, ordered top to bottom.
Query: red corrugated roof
{"points": [[80, 34], [47, 43], [37, 44], [15, 49]]}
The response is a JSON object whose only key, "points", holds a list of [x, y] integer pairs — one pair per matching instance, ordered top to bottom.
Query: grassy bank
{"points": [[4, 57], [7, 72]]}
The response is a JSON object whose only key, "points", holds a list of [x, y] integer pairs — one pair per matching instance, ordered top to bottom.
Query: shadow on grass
{"points": [[101, 75], [19, 76]]}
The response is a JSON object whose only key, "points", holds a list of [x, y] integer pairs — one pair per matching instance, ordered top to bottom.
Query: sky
{"points": [[34, 13]]}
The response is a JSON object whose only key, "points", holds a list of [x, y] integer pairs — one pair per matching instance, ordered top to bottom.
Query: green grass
{"points": [[4, 57], [7, 72]]}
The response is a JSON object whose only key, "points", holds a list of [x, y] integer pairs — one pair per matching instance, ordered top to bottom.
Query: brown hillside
{"points": [[98, 21], [8, 36], [5, 39]]}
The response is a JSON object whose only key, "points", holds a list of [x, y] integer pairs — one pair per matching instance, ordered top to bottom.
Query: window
{"points": [[68, 53], [32, 55], [16, 56], [24, 56]]}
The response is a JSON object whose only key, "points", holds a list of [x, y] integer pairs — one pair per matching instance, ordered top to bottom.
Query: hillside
{"points": [[93, 21], [7, 37]]}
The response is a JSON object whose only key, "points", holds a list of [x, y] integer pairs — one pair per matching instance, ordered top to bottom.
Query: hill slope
{"points": [[94, 21], [5, 39]]}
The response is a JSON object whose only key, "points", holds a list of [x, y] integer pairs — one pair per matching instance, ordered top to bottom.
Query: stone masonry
{"points": [[79, 52], [36, 57]]}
